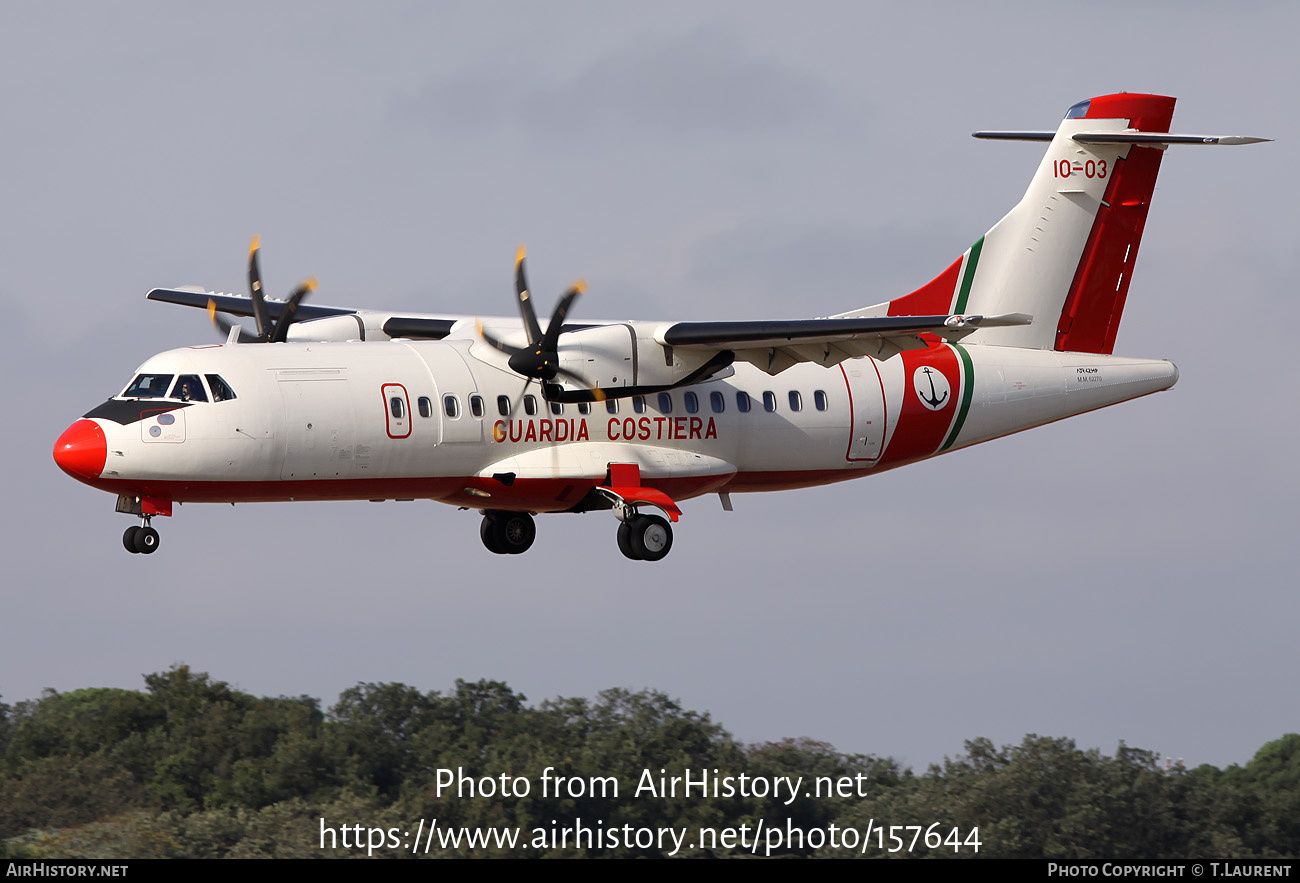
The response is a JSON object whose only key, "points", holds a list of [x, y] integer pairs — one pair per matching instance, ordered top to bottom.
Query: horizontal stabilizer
{"points": [[1014, 136], [1126, 137]]}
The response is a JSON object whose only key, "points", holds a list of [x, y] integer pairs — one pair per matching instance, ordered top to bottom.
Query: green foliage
{"points": [[193, 768]]}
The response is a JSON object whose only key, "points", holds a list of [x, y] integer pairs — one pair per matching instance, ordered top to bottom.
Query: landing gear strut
{"points": [[507, 533], [141, 538]]}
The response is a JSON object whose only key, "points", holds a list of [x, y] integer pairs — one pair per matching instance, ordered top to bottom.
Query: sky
{"points": [[1123, 575]]}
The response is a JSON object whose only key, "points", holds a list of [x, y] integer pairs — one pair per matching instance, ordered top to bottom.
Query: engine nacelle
{"points": [[330, 328], [627, 355]]}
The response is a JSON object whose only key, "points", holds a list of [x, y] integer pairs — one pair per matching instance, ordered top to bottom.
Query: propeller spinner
{"points": [[540, 360]]}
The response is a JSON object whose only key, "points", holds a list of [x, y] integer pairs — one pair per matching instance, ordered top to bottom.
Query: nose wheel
{"points": [[507, 533], [141, 539]]}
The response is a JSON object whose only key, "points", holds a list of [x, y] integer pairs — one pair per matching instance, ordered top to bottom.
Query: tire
{"points": [[515, 531], [487, 532], [650, 537], [128, 539], [146, 541], [625, 541]]}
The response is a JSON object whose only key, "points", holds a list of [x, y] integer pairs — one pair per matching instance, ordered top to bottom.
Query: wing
{"points": [[317, 322], [775, 346]]}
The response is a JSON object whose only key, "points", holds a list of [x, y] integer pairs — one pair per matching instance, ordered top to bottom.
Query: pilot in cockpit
{"points": [[185, 391]]}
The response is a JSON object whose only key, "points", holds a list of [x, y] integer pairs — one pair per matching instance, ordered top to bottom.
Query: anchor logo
{"points": [[931, 387]]}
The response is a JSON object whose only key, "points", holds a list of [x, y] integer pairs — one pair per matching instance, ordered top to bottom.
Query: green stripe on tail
{"points": [[969, 276]]}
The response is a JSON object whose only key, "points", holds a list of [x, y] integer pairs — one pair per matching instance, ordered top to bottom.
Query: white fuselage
{"points": [[429, 419]]}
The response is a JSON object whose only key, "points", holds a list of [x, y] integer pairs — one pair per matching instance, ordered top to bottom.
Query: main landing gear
{"points": [[507, 533], [641, 536], [645, 537], [141, 538]]}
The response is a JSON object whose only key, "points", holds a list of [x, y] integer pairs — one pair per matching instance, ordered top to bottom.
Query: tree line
{"points": [[192, 768]]}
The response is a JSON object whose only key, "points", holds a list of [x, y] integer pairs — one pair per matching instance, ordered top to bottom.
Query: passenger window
{"points": [[149, 386], [189, 389], [221, 391], [819, 399], [796, 400], [769, 401], [692, 402], [718, 402], [742, 402], [665, 403], [425, 404], [638, 404], [476, 405], [395, 406], [451, 406], [503, 406], [530, 406], [611, 406], [584, 407], [557, 408]]}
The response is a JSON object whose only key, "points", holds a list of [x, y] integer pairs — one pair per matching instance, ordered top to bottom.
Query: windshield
{"points": [[148, 386], [189, 389]]}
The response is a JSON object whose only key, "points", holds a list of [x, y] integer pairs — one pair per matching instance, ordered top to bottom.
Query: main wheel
{"points": [[515, 531], [487, 532], [508, 533], [650, 537], [128, 538], [146, 540], [625, 541]]}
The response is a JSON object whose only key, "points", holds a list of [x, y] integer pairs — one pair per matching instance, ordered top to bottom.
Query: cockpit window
{"points": [[1078, 111], [149, 386], [189, 389], [221, 391]]}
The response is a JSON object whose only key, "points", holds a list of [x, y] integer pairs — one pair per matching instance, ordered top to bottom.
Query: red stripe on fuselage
{"points": [[921, 430], [530, 494]]}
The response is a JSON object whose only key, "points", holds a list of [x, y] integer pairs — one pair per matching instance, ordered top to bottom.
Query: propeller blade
{"points": [[290, 308], [260, 314], [224, 327], [533, 330], [551, 338], [495, 342], [554, 392], [514, 405]]}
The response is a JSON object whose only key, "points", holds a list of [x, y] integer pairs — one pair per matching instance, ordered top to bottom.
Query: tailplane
{"points": [[1065, 254]]}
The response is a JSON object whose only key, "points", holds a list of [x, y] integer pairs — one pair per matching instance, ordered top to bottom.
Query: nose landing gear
{"points": [[141, 539]]}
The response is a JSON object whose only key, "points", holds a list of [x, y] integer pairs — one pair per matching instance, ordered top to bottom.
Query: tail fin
{"points": [[1065, 253]]}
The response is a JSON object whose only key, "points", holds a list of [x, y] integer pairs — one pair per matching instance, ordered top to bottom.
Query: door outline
{"points": [[396, 427]]}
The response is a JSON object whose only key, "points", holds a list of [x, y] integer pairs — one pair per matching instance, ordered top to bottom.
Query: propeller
{"points": [[268, 330], [540, 360]]}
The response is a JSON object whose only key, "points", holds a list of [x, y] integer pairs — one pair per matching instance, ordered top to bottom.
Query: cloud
{"points": [[701, 84]]}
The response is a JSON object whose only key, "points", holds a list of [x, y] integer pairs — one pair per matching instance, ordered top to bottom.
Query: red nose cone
{"points": [[81, 450]]}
